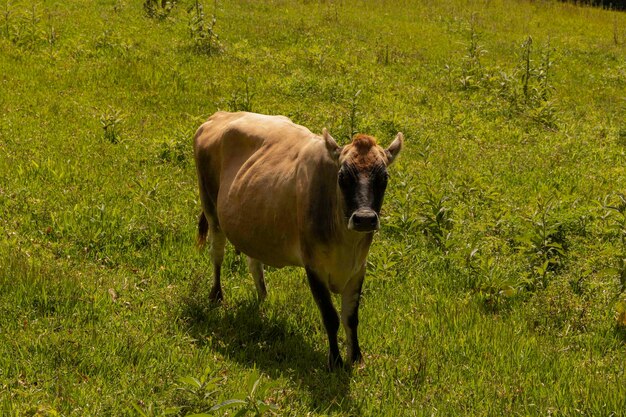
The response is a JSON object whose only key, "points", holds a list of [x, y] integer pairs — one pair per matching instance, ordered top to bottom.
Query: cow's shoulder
{"points": [[317, 179]]}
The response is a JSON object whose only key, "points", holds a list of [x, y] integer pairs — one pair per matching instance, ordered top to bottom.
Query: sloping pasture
{"points": [[495, 287]]}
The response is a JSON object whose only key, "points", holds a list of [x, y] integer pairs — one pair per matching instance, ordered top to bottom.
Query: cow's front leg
{"points": [[350, 299], [329, 316]]}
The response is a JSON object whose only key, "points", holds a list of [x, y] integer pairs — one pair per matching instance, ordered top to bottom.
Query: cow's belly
{"points": [[259, 218], [264, 242]]}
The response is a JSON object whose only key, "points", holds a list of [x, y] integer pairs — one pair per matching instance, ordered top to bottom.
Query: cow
{"points": [[285, 196]]}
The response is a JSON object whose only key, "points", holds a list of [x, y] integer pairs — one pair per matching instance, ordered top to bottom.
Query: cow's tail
{"points": [[203, 230]]}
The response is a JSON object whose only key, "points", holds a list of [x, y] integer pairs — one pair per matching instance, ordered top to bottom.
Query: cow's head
{"points": [[362, 177]]}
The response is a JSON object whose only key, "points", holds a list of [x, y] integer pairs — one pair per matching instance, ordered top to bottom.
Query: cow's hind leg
{"points": [[207, 225], [218, 242], [256, 269], [321, 294]]}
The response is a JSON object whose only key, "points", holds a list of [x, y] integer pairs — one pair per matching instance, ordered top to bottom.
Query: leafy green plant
{"points": [[158, 9], [7, 19], [25, 27], [51, 35], [205, 39], [386, 54], [382, 56], [472, 71], [528, 88], [349, 95], [242, 100], [111, 121], [175, 149], [174, 152], [615, 214], [436, 222], [405, 223], [543, 244], [490, 281], [203, 388], [251, 401]]}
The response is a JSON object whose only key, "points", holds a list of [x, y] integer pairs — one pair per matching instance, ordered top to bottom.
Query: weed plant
{"points": [[158, 9], [202, 30]]}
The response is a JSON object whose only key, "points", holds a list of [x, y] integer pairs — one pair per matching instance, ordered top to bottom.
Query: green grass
{"points": [[495, 286]]}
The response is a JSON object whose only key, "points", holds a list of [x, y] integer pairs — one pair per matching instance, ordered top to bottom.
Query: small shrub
{"points": [[158, 9], [25, 29], [202, 31], [105, 41], [382, 55], [387, 55], [472, 72], [528, 88], [242, 100], [351, 120], [110, 122], [173, 151], [435, 216], [615, 218], [543, 244], [493, 277], [199, 392], [250, 401]]}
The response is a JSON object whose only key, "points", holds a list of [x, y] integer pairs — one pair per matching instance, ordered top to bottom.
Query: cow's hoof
{"points": [[216, 296], [356, 360], [335, 362]]}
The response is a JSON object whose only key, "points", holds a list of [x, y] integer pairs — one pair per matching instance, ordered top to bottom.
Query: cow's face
{"points": [[362, 179]]}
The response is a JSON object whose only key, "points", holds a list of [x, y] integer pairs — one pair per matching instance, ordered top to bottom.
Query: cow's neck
{"points": [[335, 252], [344, 255]]}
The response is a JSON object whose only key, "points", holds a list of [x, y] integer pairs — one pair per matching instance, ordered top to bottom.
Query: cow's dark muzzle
{"points": [[364, 220]]}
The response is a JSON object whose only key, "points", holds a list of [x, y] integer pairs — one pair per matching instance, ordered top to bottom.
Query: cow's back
{"points": [[251, 161]]}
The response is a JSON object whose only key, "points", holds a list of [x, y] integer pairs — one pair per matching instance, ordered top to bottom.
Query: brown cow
{"points": [[285, 196]]}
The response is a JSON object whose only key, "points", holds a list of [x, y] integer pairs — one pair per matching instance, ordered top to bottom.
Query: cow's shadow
{"points": [[244, 334]]}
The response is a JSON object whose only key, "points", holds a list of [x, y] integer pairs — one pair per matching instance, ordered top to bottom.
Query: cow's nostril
{"points": [[364, 220]]}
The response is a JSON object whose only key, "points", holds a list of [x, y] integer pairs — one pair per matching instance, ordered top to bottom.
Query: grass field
{"points": [[495, 287]]}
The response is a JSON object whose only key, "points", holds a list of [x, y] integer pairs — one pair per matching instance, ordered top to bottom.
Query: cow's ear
{"points": [[333, 149], [394, 149]]}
